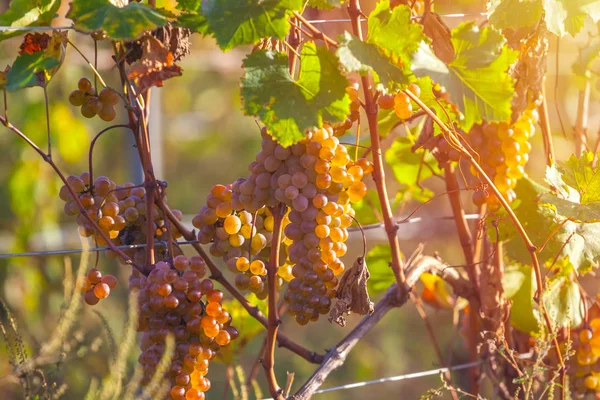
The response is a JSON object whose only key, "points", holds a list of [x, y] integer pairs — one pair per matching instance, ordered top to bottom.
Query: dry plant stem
{"points": [[315, 31], [294, 42], [96, 73], [581, 124], [546, 130], [91, 152], [378, 173], [82, 209], [531, 248], [217, 275], [273, 322], [431, 332], [336, 356], [256, 366]]}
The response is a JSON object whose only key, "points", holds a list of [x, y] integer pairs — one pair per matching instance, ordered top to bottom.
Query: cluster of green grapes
{"points": [[399, 102], [92, 104], [503, 153], [316, 180], [120, 212], [95, 286], [176, 299], [584, 367]]}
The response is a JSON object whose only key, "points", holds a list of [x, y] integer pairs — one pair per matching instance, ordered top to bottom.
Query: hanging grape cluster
{"points": [[399, 102], [92, 104], [503, 151], [316, 179], [119, 211], [176, 298], [584, 366]]}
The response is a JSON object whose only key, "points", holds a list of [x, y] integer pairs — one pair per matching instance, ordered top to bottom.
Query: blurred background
{"points": [[201, 138]]}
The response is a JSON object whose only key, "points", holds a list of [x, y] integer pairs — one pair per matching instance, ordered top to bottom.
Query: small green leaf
{"points": [[189, 5], [326, 5], [22, 13], [514, 14], [568, 16], [237, 22], [119, 23], [394, 31], [358, 56], [29, 70], [477, 79], [288, 107], [409, 166], [580, 174], [366, 208], [577, 241], [382, 276], [519, 286], [562, 299]]}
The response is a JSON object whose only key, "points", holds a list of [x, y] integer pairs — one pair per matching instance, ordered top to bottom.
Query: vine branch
{"points": [[335, 358]]}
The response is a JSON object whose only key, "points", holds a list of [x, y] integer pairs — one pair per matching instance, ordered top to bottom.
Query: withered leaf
{"points": [[440, 35], [155, 66], [352, 293]]}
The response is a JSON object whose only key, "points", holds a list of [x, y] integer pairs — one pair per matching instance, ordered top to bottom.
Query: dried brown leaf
{"points": [[440, 35], [155, 65], [352, 293]]}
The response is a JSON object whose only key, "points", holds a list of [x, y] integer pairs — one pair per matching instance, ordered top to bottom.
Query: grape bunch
{"points": [[399, 102], [92, 104], [503, 153], [316, 181], [119, 211], [95, 286], [176, 298], [584, 367]]}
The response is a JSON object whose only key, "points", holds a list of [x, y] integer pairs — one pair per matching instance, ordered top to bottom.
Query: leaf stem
{"points": [[96, 73], [47, 107], [546, 130], [91, 151]]}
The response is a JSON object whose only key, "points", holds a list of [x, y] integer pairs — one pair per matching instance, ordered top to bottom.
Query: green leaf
{"points": [[189, 5], [326, 5], [22, 13], [514, 14], [568, 16], [237, 22], [119, 23], [393, 31], [358, 56], [30, 70], [477, 79], [286, 106], [407, 166], [580, 174], [578, 189], [366, 208], [577, 241], [378, 260], [519, 286], [562, 299]]}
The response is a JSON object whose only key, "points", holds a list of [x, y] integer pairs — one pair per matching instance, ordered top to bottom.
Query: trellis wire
{"points": [[315, 21], [143, 245], [397, 378]]}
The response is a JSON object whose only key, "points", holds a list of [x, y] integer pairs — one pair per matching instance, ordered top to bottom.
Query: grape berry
{"points": [[92, 104]]}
